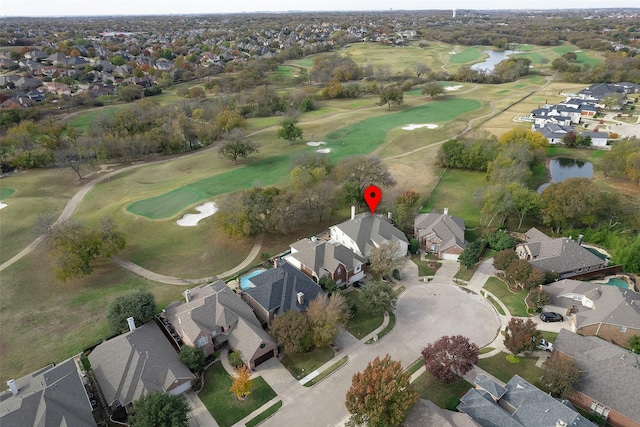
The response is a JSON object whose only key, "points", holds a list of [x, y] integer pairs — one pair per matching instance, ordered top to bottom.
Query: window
{"points": [[202, 341]]}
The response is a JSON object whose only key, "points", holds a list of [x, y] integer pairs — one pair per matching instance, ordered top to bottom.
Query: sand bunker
{"points": [[453, 52], [452, 87], [412, 127], [316, 144], [323, 150], [3, 205], [191, 220]]}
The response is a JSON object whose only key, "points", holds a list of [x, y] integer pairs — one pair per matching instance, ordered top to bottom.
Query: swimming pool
{"points": [[244, 280], [614, 281]]}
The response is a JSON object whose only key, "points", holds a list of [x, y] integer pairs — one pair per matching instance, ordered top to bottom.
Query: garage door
{"points": [[450, 256], [263, 358], [181, 389]]}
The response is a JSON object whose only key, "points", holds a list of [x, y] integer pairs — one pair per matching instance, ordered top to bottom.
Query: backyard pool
{"points": [[244, 280], [614, 281]]}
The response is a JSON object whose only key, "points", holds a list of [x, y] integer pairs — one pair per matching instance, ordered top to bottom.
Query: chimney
{"points": [[446, 211], [353, 212], [580, 237], [187, 295], [300, 298], [132, 324], [13, 387], [561, 423]]}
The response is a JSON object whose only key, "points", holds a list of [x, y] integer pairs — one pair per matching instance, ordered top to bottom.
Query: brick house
{"points": [[442, 234]]}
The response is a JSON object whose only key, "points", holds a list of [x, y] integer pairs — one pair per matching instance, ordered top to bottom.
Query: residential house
{"points": [[36, 55], [57, 58], [7, 63], [7, 79], [27, 83], [628, 87], [57, 88], [99, 90], [598, 91], [19, 102], [587, 108], [542, 116], [553, 132], [598, 139], [365, 231], [441, 234], [561, 255], [329, 259], [279, 290], [596, 309], [213, 315], [137, 363], [609, 383], [53, 396], [517, 404], [426, 413]]}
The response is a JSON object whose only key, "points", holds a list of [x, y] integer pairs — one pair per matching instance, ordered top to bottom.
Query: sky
{"points": [[165, 7]]}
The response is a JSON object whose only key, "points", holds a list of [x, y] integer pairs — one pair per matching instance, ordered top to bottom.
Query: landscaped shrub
{"points": [[499, 240], [504, 258]]}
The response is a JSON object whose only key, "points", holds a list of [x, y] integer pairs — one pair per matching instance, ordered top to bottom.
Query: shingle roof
{"points": [[448, 228], [369, 231], [325, 255], [561, 255], [276, 289], [611, 305], [213, 306], [137, 363], [609, 374], [51, 397], [522, 405], [425, 413]]}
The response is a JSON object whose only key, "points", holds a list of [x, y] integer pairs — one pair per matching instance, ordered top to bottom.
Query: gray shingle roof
{"points": [[448, 228], [369, 231], [561, 255], [325, 256], [276, 289], [611, 305], [214, 306], [137, 363], [609, 374], [51, 397], [522, 405], [425, 413]]}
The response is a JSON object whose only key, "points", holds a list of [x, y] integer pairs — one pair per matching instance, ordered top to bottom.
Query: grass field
{"points": [[469, 54], [360, 138], [6, 192], [461, 192], [514, 302], [301, 365], [502, 369], [446, 396], [224, 406]]}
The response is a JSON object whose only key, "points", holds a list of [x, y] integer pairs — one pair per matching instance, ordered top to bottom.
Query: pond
{"points": [[495, 56], [563, 168]]}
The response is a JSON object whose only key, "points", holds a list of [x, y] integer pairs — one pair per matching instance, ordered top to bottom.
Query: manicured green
{"points": [[469, 54], [534, 57], [581, 57], [503, 91], [360, 138], [461, 191], [6, 192], [423, 266], [465, 273], [514, 302], [496, 305], [362, 324], [549, 336], [302, 364], [499, 367], [324, 374], [442, 394], [223, 405], [264, 415]]}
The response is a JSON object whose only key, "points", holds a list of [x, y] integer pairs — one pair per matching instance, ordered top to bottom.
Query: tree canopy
{"points": [[391, 95], [289, 129], [237, 146], [384, 259], [377, 298], [140, 305], [326, 315], [292, 330], [521, 336], [193, 357], [450, 358], [560, 374], [381, 395], [160, 410]]}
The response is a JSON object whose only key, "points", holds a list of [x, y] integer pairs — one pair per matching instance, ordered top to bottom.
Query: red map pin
{"points": [[372, 195]]}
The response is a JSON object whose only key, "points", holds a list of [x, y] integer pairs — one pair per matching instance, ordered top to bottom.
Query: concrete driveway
{"points": [[425, 312]]}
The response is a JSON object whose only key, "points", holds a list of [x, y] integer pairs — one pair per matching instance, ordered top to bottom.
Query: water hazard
{"points": [[563, 168]]}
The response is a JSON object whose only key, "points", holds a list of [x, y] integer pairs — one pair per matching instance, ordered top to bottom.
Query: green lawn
{"points": [[469, 54], [360, 138], [461, 191], [6, 192], [424, 268], [514, 302], [496, 305], [362, 323], [302, 364], [502, 369], [330, 370], [446, 396], [223, 405], [264, 415]]}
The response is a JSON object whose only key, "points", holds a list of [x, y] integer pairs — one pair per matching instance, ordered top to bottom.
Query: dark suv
{"points": [[551, 317]]}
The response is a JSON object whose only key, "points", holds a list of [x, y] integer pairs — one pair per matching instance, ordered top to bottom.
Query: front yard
{"points": [[514, 302], [362, 323], [302, 364], [501, 368], [446, 396], [223, 405]]}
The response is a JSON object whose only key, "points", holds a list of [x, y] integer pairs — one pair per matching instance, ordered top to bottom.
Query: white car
{"points": [[545, 345]]}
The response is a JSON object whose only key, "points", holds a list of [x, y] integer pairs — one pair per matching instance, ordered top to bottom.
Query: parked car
{"points": [[359, 284], [551, 317], [545, 345]]}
